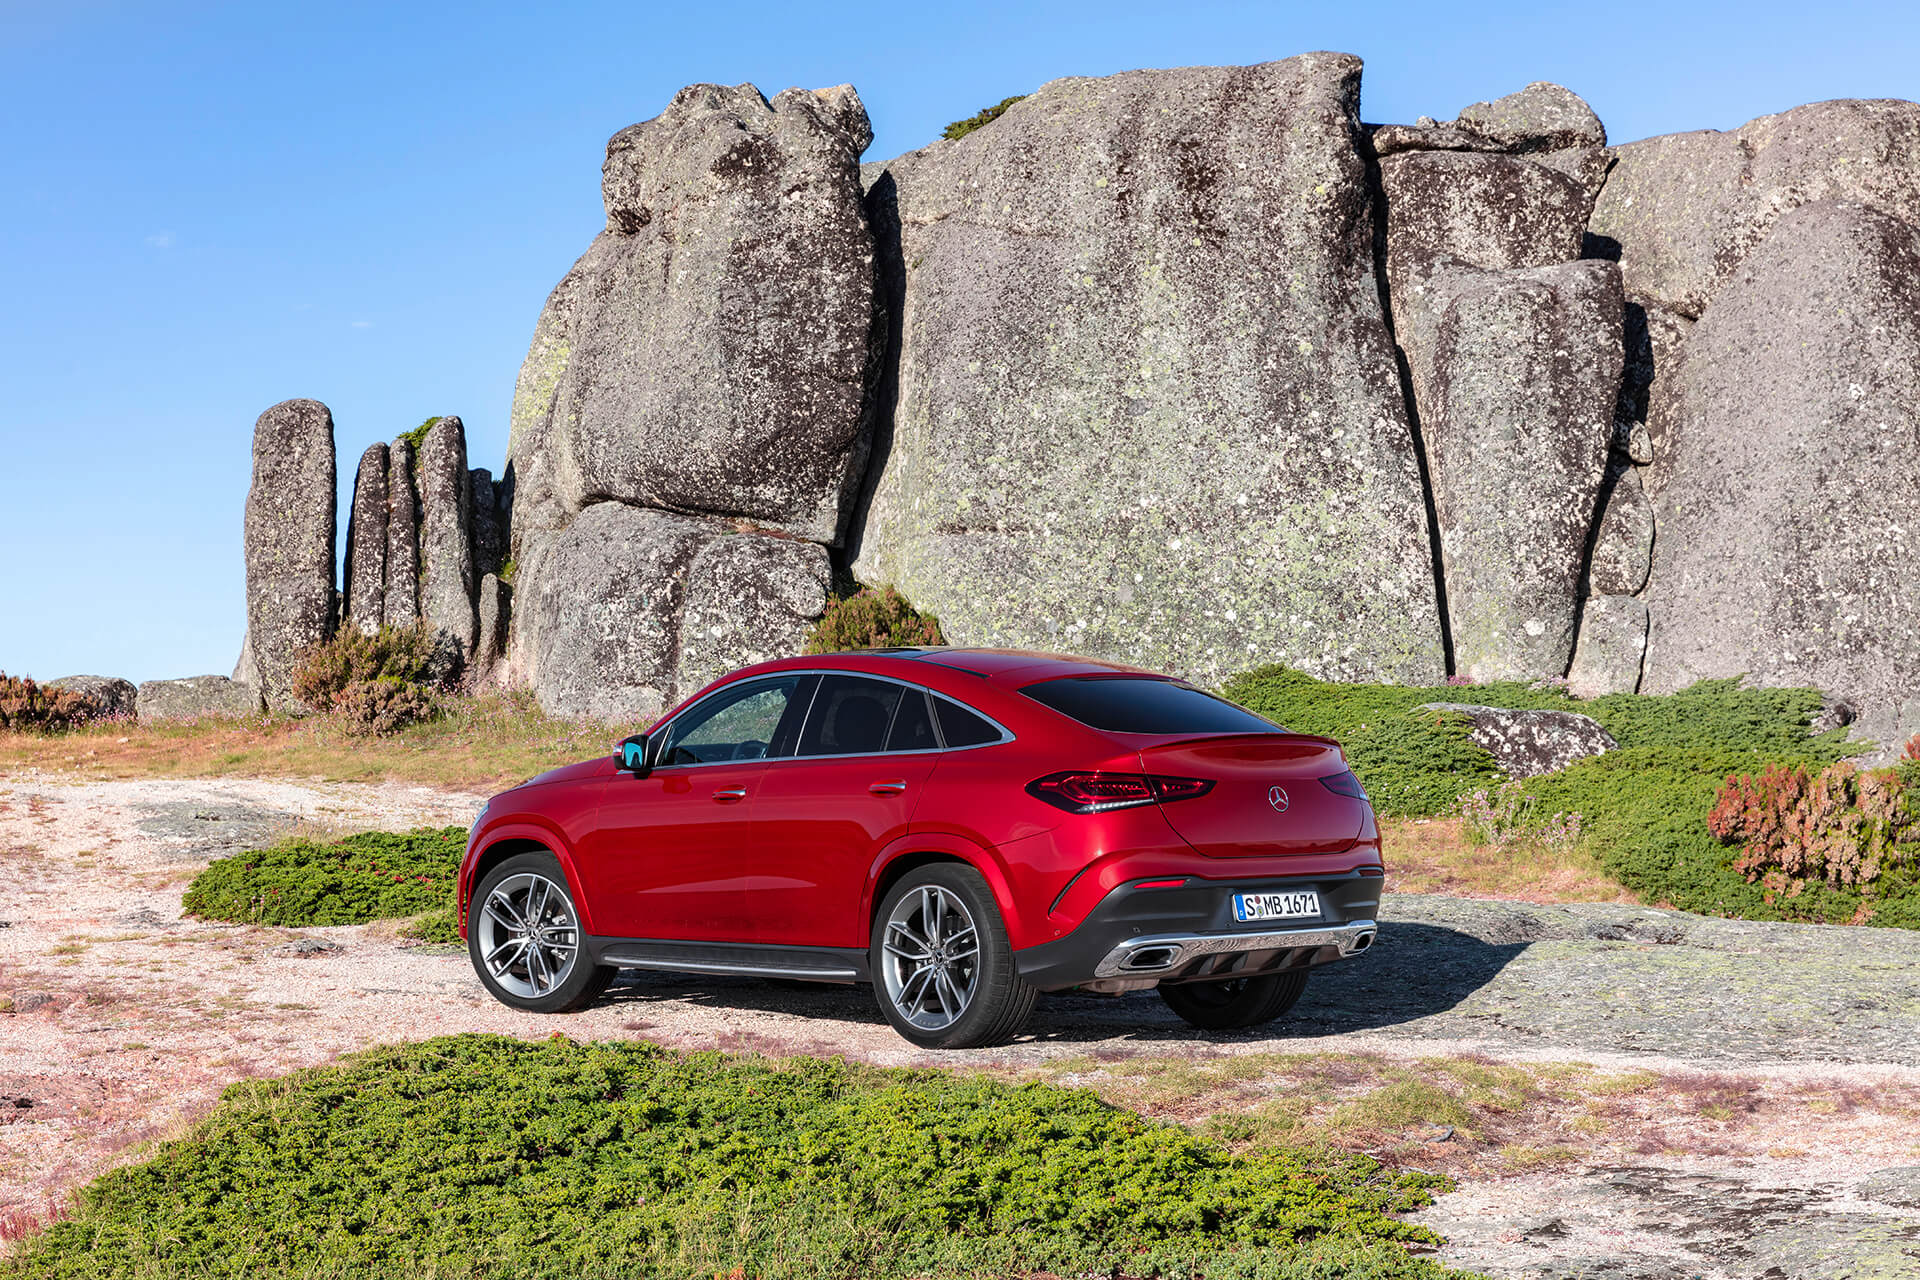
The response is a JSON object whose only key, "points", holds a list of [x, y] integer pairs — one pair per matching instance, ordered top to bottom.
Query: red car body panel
{"points": [[801, 856]]}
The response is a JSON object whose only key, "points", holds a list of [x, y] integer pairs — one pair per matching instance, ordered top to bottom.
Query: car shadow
{"points": [[1413, 971]]}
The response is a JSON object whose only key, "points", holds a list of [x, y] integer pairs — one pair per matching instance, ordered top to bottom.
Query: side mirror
{"points": [[633, 754]]}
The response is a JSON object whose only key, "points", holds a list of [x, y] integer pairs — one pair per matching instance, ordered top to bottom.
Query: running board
{"points": [[732, 960]]}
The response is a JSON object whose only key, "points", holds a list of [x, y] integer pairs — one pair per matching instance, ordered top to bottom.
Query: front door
{"points": [[822, 814], [668, 859]]}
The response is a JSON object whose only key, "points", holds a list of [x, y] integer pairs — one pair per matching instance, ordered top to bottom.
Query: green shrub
{"points": [[985, 116], [412, 438], [870, 619], [377, 683], [26, 706], [1643, 809], [376, 875], [478, 1156]]}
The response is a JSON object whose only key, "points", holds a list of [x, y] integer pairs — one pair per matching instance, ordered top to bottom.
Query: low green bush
{"points": [[979, 119], [872, 619], [27, 706], [1644, 808], [375, 875], [482, 1156]]}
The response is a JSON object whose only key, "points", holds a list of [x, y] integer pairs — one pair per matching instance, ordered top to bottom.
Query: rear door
{"points": [[822, 815], [669, 855]]}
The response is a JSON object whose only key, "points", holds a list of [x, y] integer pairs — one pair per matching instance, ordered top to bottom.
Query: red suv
{"points": [[962, 828]]}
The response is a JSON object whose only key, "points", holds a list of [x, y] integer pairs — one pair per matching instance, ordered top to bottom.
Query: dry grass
{"points": [[483, 743], [1435, 855], [1476, 1117]]}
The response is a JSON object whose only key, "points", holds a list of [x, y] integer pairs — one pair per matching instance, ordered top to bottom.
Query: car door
{"points": [[821, 815], [668, 857]]}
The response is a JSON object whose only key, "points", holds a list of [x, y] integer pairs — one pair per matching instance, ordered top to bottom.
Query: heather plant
{"points": [[870, 619], [378, 683], [30, 707], [1841, 826], [479, 1156]]}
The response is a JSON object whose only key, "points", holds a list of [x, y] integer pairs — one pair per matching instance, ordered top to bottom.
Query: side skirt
{"points": [[844, 965]]}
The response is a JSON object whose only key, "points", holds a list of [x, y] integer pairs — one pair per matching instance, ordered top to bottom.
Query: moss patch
{"points": [[985, 116]]}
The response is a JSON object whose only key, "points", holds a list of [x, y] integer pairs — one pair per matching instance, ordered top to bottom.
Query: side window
{"points": [[850, 717], [741, 723], [912, 724], [961, 727]]}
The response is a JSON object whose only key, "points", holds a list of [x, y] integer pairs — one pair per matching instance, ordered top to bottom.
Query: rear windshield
{"points": [[1128, 704]]}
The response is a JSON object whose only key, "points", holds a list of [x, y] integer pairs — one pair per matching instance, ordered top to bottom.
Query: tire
{"points": [[553, 975], [981, 997], [1236, 1002]]}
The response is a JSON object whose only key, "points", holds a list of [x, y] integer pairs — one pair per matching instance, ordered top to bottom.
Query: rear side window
{"points": [[1129, 704], [850, 717], [912, 725], [961, 728]]}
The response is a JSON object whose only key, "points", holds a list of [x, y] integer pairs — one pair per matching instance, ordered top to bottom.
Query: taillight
{"points": [[1344, 784], [1099, 792]]}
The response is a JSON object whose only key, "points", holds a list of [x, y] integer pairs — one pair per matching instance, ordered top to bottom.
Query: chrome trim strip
{"points": [[1006, 735], [1188, 946], [723, 969]]}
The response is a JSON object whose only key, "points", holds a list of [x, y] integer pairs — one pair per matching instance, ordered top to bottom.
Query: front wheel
{"points": [[525, 940], [943, 970], [1236, 1002]]}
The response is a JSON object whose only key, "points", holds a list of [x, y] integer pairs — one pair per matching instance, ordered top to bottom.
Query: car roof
{"points": [[1009, 667]]}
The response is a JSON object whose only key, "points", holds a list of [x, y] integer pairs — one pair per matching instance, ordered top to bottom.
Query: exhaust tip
{"points": [[1360, 944], [1152, 958]]}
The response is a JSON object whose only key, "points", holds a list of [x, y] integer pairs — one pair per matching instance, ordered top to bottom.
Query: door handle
{"points": [[890, 787], [727, 795]]}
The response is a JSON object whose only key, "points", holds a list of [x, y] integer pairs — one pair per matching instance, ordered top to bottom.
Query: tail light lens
{"points": [[1344, 784], [1099, 792]]}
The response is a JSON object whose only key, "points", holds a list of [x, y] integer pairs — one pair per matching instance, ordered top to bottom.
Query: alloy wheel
{"points": [[529, 939], [931, 964]]}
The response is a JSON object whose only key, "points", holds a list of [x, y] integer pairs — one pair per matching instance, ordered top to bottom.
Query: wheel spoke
{"points": [[936, 909], [502, 910], [512, 948], [968, 954], [537, 972], [913, 992], [951, 1001]]}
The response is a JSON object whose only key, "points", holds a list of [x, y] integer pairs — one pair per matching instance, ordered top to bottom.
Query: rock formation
{"points": [[1681, 211], [708, 357], [1194, 369], [1516, 373], [1147, 403], [1786, 526], [446, 537], [289, 542], [366, 574], [115, 696], [195, 697], [1526, 743]]}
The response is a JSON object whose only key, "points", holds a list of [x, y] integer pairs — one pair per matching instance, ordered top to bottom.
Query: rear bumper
{"points": [[1141, 937]]}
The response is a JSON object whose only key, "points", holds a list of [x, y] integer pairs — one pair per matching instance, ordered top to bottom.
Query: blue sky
{"points": [[211, 207]]}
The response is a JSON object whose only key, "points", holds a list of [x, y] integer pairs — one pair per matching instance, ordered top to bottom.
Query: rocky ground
{"points": [[1782, 1139]]}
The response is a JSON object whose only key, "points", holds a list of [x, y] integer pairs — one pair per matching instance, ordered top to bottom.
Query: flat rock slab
{"points": [[1526, 742], [1601, 978], [1670, 1224]]}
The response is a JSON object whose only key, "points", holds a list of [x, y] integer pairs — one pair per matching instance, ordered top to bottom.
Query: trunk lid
{"points": [[1267, 798]]}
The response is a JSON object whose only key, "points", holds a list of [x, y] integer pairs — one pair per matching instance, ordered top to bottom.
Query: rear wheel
{"points": [[525, 940], [943, 970], [1236, 1002]]}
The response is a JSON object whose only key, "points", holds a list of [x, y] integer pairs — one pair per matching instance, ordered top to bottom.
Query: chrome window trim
{"points": [[1006, 735]]}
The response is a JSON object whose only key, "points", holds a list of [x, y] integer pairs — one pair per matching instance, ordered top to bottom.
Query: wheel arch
{"points": [[506, 842], [910, 853]]}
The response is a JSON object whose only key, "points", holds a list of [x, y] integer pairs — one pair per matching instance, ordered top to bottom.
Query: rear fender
{"points": [[539, 831], [951, 846]]}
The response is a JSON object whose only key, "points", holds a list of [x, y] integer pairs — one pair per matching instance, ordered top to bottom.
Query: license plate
{"points": [[1294, 905]]}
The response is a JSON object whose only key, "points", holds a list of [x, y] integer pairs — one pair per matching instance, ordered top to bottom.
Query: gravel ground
{"points": [[127, 1020]]}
